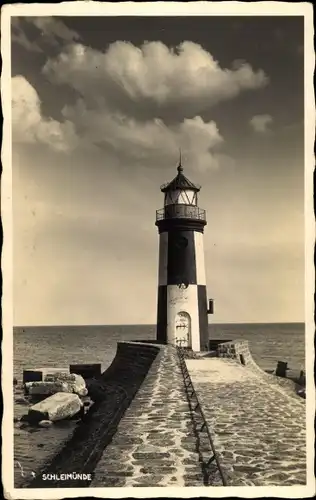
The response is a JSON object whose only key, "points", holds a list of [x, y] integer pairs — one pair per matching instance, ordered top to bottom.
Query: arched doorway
{"points": [[183, 330]]}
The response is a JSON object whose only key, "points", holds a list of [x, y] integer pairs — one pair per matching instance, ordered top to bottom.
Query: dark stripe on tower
{"points": [[180, 224], [181, 258], [162, 315], [203, 318]]}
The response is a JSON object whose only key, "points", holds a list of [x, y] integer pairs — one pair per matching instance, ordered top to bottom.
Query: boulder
{"points": [[39, 374], [74, 381], [46, 388], [57, 407], [45, 423]]}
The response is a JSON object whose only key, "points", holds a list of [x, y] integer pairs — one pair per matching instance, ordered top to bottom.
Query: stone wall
{"points": [[238, 349]]}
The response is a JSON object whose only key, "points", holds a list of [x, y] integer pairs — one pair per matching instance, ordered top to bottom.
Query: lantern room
{"points": [[180, 190], [180, 199]]}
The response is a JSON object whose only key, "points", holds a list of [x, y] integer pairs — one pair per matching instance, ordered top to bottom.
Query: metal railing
{"points": [[181, 211], [211, 465]]}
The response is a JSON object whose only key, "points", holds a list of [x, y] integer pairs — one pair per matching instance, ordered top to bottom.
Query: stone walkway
{"points": [[258, 429], [154, 444]]}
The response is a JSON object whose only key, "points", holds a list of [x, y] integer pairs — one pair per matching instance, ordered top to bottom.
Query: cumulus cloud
{"points": [[33, 33], [186, 78], [126, 96], [260, 123], [28, 124], [134, 142], [149, 143]]}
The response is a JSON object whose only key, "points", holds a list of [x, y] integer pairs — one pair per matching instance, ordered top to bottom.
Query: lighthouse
{"points": [[182, 312]]}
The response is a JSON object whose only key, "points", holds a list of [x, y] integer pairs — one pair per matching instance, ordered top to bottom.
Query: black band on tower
{"points": [[181, 225], [181, 258], [162, 315]]}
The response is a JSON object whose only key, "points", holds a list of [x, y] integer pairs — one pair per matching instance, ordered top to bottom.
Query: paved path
{"points": [[258, 429], [154, 444]]}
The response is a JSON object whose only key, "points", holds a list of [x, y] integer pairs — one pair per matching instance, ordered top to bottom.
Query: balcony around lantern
{"points": [[182, 211]]}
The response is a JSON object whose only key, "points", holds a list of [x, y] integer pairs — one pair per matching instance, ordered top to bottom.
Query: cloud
{"points": [[54, 29], [33, 33], [19, 36], [186, 79], [126, 97], [137, 104], [260, 123], [28, 124], [133, 142], [149, 143]]}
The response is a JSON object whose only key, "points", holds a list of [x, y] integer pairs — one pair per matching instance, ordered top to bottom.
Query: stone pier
{"points": [[258, 428], [142, 431], [154, 444]]}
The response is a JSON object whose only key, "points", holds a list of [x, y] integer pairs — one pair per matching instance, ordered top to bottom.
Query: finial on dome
{"points": [[180, 167]]}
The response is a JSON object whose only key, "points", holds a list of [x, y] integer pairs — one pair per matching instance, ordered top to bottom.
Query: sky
{"points": [[100, 108]]}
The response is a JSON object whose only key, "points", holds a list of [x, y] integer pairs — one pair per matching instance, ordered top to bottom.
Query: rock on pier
{"points": [[57, 407]]}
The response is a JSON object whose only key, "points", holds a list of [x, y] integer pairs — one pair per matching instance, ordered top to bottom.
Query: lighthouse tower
{"points": [[182, 316]]}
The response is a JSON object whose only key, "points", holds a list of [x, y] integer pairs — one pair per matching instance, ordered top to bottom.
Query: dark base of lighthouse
{"points": [[162, 316]]}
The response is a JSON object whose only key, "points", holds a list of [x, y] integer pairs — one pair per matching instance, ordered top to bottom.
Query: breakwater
{"points": [[141, 430], [155, 443]]}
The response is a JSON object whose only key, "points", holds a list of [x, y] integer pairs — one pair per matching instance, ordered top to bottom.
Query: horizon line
{"points": [[154, 324]]}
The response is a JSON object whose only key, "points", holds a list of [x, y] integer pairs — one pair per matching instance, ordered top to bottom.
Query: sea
{"points": [[36, 346], [59, 346]]}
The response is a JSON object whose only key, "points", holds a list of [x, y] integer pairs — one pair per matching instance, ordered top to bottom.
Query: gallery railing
{"points": [[181, 212]]}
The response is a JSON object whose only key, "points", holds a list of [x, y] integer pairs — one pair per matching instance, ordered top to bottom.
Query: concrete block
{"points": [[87, 371], [39, 374], [32, 376], [57, 407]]}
